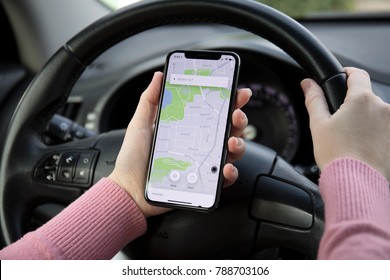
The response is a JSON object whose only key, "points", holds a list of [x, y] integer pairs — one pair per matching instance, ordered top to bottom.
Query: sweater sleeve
{"points": [[357, 212], [95, 226]]}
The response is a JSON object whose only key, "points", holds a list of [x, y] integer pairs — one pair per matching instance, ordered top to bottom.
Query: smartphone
{"points": [[192, 128]]}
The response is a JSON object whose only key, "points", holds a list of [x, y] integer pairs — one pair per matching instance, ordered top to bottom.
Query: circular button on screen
{"points": [[174, 175], [192, 178]]}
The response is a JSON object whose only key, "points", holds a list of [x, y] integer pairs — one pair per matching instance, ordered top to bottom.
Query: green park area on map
{"points": [[181, 95], [163, 166]]}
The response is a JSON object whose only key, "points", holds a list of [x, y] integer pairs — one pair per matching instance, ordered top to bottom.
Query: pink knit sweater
{"points": [[357, 212], [105, 219], [95, 226]]}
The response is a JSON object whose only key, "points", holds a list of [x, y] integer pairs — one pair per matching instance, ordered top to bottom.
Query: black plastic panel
{"points": [[280, 202]]}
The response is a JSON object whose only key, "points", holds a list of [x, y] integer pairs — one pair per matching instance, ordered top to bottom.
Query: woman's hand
{"points": [[359, 129], [132, 162]]}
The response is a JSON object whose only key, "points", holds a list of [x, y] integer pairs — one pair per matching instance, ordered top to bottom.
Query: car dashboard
{"points": [[107, 93]]}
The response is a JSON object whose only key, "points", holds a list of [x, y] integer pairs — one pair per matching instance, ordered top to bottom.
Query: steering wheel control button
{"points": [[85, 160], [67, 167], [71, 168], [83, 168], [47, 169], [66, 174], [51, 176], [81, 176]]}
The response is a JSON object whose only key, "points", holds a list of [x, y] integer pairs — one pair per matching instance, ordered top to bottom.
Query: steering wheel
{"points": [[271, 205]]}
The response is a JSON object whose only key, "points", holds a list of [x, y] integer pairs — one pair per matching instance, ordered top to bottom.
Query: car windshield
{"points": [[305, 8]]}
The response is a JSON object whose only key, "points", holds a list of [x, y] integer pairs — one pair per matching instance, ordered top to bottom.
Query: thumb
{"points": [[315, 101], [148, 103]]}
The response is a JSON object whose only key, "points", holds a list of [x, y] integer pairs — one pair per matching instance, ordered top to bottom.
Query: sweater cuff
{"points": [[352, 190], [98, 224]]}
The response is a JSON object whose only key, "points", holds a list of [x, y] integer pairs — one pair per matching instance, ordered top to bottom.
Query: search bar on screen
{"points": [[194, 80]]}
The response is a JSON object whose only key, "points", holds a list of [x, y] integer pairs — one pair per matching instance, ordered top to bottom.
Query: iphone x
{"points": [[192, 128]]}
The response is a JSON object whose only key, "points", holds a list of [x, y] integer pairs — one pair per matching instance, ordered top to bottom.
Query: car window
{"points": [[304, 8]]}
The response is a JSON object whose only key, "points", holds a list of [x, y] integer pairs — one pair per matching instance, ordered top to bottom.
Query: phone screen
{"points": [[192, 128]]}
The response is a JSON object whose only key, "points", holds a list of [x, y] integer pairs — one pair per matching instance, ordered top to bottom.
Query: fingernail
{"points": [[306, 84], [242, 115], [238, 142], [233, 169], [235, 172]]}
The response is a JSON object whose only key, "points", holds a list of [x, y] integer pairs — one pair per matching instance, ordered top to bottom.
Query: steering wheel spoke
{"points": [[38, 174], [290, 210]]}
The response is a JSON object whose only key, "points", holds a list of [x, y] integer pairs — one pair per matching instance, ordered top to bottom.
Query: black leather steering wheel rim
{"points": [[52, 85]]}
